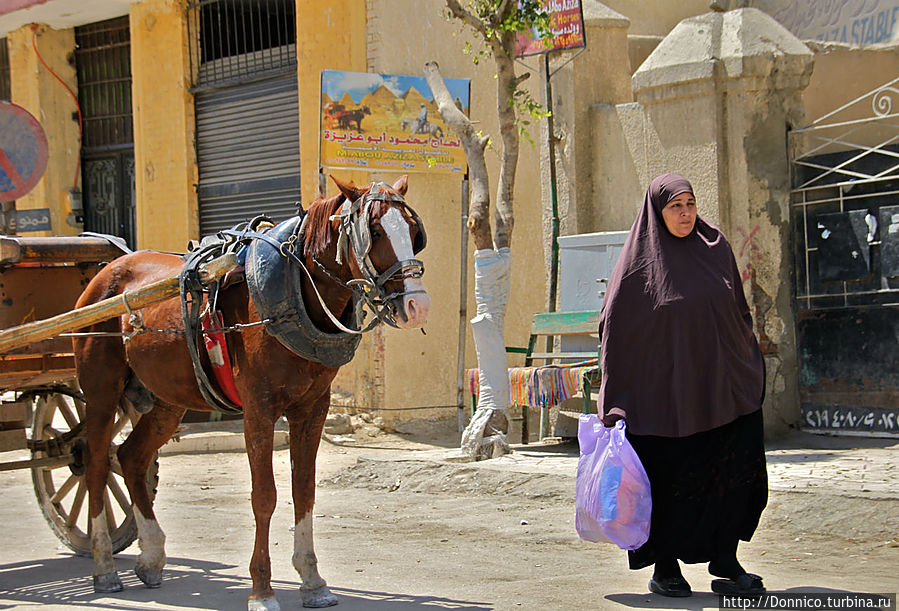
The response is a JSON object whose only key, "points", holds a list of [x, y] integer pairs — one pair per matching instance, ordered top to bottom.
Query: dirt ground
{"points": [[405, 534]]}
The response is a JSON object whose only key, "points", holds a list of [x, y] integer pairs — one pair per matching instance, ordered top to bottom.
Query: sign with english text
{"points": [[852, 22], [566, 25], [387, 122]]}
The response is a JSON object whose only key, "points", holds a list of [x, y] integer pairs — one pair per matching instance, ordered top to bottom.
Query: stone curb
{"points": [[212, 437], [212, 442]]}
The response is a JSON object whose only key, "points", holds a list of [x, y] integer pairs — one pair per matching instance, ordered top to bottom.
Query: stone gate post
{"points": [[715, 100]]}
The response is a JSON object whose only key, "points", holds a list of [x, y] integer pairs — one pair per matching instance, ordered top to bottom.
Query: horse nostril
{"points": [[411, 309]]}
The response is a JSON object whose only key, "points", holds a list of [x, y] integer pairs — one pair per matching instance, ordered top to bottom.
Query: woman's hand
{"points": [[612, 416]]}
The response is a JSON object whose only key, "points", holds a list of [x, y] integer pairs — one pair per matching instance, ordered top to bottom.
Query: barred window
{"points": [[240, 40], [103, 63]]}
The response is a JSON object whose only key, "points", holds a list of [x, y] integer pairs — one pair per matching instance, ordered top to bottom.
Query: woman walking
{"points": [[681, 365]]}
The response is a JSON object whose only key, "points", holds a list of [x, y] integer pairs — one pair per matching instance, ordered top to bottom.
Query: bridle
{"points": [[355, 236]]}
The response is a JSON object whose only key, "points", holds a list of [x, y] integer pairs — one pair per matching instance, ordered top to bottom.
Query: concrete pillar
{"points": [[331, 35], [599, 73], [580, 78], [34, 88], [716, 99], [165, 164]]}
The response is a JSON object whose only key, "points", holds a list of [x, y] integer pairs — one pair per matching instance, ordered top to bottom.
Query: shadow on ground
{"points": [[188, 584]]}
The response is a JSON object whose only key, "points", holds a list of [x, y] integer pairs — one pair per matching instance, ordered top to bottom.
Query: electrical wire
{"points": [[34, 27]]}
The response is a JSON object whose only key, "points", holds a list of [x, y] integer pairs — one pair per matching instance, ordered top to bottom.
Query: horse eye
{"points": [[376, 233]]}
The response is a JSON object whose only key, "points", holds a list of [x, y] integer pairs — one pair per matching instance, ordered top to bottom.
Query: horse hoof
{"points": [[152, 578], [105, 584], [318, 598], [263, 604]]}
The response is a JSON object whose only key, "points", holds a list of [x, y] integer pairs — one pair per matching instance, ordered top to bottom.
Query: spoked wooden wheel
{"points": [[58, 437]]}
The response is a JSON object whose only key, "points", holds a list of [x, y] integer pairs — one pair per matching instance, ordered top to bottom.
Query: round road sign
{"points": [[23, 152]]}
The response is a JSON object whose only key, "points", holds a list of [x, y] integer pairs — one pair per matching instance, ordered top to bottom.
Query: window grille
{"points": [[240, 40], [103, 63], [4, 71], [845, 204]]}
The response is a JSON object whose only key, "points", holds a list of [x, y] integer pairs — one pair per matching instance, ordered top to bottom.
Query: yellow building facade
{"points": [[180, 137]]}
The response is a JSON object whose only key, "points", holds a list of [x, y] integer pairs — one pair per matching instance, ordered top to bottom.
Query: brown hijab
{"points": [[678, 352]]}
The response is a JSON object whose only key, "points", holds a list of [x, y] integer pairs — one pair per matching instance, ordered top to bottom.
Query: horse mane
{"points": [[319, 233]]}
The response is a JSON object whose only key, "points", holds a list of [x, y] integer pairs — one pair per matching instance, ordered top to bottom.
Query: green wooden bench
{"points": [[551, 360]]}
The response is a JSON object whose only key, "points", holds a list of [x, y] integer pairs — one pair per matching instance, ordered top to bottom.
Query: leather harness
{"points": [[273, 275]]}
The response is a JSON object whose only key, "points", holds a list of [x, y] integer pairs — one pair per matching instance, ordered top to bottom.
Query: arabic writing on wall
{"points": [[850, 418]]}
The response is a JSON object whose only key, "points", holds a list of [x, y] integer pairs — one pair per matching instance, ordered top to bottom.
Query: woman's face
{"points": [[680, 215]]}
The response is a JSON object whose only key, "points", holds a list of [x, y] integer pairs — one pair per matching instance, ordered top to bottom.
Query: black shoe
{"points": [[746, 584], [675, 587]]}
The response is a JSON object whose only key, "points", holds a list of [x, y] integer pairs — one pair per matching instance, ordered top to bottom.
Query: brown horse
{"points": [[271, 380]]}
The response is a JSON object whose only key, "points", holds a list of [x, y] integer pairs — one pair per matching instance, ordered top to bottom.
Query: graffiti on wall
{"points": [[747, 243]]}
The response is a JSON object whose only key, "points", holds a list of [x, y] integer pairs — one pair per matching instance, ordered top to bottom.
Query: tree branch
{"points": [[466, 17], [473, 144]]}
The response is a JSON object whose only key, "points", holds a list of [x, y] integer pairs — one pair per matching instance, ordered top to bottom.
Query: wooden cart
{"points": [[40, 281]]}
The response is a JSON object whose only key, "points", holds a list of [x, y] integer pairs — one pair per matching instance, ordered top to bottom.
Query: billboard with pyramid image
{"points": [[387, 122]]}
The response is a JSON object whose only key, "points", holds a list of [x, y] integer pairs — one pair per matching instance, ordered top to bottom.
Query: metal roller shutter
{"points": [[248, 151]]}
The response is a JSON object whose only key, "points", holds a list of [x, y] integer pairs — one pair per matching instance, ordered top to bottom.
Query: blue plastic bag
{"points": [[613, 502]]}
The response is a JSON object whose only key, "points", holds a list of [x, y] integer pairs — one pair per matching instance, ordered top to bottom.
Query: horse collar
{"points": [[274, 284]]}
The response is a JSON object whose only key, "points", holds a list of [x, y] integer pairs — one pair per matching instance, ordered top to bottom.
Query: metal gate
{"points": [[103, 64], [248, 141], [248, 150], [845, 219]]}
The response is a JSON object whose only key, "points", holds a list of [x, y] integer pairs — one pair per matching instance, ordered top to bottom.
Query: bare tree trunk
{"points": [[505, 87], [473, 144], [493, 258], [491, 285]]}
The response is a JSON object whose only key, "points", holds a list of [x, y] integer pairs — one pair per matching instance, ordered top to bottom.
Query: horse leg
{"points": [[99, 421], [151, 432], [259, 433], [305, 433]]}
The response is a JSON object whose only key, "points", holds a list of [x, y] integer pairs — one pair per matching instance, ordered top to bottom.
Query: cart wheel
{"points": [[61, 490]]}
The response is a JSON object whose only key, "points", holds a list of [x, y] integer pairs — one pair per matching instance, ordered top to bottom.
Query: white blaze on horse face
{"points": [[415, 304]]}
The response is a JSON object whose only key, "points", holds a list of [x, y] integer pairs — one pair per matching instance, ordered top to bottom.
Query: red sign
{"points": [[566, 25], [23, 152]]}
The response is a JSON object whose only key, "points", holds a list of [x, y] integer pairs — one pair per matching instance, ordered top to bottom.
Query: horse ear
{"points": [[401, 184], [348, 189]]}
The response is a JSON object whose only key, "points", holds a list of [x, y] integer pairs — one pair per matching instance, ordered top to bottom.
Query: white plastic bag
{"points": [[613, 501]]}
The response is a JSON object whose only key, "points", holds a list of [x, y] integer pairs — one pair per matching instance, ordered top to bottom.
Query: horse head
{"points": [[379, 235]]}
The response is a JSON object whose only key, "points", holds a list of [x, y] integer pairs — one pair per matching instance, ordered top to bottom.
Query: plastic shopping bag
{"points": [[613, 502]]}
